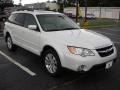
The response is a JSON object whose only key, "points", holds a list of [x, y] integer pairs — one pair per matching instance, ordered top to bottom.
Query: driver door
{"points": [[31, 37]]}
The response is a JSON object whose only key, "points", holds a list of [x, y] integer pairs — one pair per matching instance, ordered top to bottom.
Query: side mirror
{"points": [[32, 27]]}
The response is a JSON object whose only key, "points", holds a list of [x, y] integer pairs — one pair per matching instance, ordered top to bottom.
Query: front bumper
{"points": [[78, 63], [101, 66]]}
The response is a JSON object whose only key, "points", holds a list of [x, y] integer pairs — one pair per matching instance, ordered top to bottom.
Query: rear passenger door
{"points": [[17, 29], [31, 37]]}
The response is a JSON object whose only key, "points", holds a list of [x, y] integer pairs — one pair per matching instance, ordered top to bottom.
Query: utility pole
{"points": [[20, 2], [61, 3], [100, 4], [85, 10], [77, 11], [100, 12], [119, 15], [85, 24]]}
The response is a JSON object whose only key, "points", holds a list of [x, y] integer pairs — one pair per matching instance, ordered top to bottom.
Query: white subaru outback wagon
{"points": [[59, 41]]}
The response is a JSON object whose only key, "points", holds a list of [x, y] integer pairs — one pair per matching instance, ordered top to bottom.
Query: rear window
{"points": [[12, 18], [17, 18]]}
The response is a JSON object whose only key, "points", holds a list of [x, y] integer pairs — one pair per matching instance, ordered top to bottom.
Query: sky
{"points": [[28, 1]]}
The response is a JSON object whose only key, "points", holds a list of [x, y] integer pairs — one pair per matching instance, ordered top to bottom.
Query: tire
{"points": [[10, 45], [51, 62]]}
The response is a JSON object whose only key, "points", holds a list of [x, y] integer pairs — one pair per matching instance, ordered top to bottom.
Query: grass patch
{"points": [[100, 23]]}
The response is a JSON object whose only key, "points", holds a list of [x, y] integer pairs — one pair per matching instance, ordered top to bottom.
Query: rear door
{"points": [[16, 27]]}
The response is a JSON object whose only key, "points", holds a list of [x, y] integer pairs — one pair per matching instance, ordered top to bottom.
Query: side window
{"points": [[19, 19], [29, 20]]}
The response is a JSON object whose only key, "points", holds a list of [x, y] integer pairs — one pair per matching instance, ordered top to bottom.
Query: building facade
{"points": [[45, 5], [99, 12]]}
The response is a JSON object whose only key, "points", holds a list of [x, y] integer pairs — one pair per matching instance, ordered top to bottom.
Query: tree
{"points": [[5, 3], [94, 3]]}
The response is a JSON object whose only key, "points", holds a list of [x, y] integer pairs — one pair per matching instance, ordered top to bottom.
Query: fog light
{"points": [[82, 68]]}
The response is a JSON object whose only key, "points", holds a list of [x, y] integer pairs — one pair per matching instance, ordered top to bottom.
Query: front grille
{"points": [[106, 51]]}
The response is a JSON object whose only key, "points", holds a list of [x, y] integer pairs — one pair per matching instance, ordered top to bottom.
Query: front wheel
{"points": [[10, 45], [52, 62]]}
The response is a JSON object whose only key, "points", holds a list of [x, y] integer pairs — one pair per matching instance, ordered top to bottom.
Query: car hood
{"points": [[79, 38]]}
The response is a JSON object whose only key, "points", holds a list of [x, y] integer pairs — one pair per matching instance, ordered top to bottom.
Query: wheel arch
{"points": [[46, 47]]}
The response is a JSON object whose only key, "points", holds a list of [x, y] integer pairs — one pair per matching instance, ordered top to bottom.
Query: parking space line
{"points": [[18, 64]]}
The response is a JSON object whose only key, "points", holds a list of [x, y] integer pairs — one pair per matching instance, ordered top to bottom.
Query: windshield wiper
{"points": [[69, 28], [61, 29]]}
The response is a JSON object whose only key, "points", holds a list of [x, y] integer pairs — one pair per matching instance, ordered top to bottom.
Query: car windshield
{"points": [[56, 22]]}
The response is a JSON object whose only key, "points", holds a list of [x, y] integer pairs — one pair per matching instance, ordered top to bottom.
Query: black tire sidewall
{"points": [[11, 43], [13, 47], [59, 68]]}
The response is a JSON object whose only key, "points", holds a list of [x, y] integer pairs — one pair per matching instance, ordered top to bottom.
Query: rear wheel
{"points": [[10, 45], [52, 62]]}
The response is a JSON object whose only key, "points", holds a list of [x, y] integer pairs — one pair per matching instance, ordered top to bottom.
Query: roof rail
{"points": [[27, 9]]}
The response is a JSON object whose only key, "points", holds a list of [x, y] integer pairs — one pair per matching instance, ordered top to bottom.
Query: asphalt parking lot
{"points": [[21, 70]]}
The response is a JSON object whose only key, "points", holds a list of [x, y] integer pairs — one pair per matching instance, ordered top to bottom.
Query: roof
{"points": [[36, 12]]}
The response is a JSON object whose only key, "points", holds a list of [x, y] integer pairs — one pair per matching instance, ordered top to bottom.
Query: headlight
{"points": [[80, 51]]}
